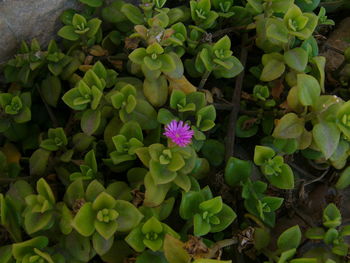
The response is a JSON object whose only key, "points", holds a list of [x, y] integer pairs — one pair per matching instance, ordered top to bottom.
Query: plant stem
{"points": [[227, 31], [334, 49], [340, 68], [204, 79], [236, 98], [185, 228], [219, 245]]}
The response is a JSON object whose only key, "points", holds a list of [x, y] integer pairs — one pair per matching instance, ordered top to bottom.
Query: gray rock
{"points": [[28, 19], [338, 39]]}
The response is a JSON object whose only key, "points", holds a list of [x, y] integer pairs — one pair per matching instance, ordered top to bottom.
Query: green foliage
{"points": [[94, 124], [277, 172], [208, 214], [331, 234], [150, 235]]}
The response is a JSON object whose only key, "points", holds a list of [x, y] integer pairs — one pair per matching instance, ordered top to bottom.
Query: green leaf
{"points": [[92, 3], [133, 14], [94, 26], [67, 32], [138, 55], [296, 59], [319, 63], [152, 64], [168, 64], [272, 70], [309, 89], [51, 90], [156, 91], [24, 116], [90, 121], [290, 126], [243, 130], [327, 130], [213, 151], [262, 154], [38, 162], [237, 171], [160, 173], [344, 179], [284, 180], [183, 181], [44, 190], [93, 190], [120, 190], [155, 194], [102, 201], [272, 202], [190, 203], [213, 205], [129, 216], [331, 216], [226, 217], [84, 220], [34, 222], [201, 227], [106, 230], [315, 233], [330, 236], [261, 238], [290, 238], [135, 239], [100, 244], [19, 250], [174, 250], [6, 253], [287, 255]]}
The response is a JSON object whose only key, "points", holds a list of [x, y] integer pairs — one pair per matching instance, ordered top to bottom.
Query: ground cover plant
{"points": [[177, 131]]}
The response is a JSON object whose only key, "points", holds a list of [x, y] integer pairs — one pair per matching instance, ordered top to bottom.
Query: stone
{"points": [[27, 19], [339, 39]]}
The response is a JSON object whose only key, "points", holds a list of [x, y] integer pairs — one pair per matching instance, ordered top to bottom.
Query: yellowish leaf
{"points": [[181, 84], [11, 153]]}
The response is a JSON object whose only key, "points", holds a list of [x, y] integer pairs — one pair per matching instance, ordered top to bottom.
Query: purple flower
{"points": [[179, 132]]}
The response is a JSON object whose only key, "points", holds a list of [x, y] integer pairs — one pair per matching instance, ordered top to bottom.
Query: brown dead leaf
{"points": [[141, 30], [168, 33], [132, 43], [98, 51], [88, 60], [118, 64], [85, 68], [277, 89], [217, 93], [208, 96], [247, 96], [11, 152], [138, 197], [245, 239], [195, 247]]}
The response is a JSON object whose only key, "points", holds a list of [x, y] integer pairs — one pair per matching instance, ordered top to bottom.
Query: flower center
{"points": [[225, 6], [201, 13], [154, 56], [58, 141], [165, 157], [106, 215], [152, 236]]}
